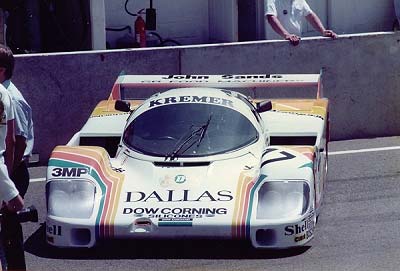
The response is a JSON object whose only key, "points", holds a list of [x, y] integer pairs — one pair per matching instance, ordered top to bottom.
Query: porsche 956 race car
{"points": [[198, 160]]}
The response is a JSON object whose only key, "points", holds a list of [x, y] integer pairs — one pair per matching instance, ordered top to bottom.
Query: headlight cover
{"points": [[71, 198], [283, 199]]}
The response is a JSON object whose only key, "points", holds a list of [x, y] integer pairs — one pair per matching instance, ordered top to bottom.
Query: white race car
{"points": [[196, 161]]}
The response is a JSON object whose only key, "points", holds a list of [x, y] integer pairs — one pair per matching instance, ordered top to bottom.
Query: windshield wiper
{"points": [[203, 131], [198, 132]]}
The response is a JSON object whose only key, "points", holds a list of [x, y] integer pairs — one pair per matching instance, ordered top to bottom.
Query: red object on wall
{"points": [[140, 31]]}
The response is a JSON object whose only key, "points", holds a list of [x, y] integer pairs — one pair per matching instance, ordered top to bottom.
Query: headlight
{"points": [[71, 198], [282, 199]]}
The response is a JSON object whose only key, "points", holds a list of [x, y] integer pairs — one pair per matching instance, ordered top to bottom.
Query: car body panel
{"points": [[222, 195]]}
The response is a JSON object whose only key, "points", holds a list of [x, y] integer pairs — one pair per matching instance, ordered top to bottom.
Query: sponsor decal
{"points": [[187, 76], [222, 77], [192, 79], [218, 79], [192, 99], [300, 114], [109, 115], [284, 156], [118, 169], [69, 172], [180, 179], [109, 182], [178, 196], [175, 213], [175, 222], [53, 230], [302, 231], [300, 238]]}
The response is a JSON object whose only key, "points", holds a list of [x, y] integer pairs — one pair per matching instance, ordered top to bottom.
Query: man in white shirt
{"points": [[285, 17], [23, 123], [11, 156], [8, 191]]}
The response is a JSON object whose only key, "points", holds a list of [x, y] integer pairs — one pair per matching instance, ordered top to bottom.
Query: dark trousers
{"points": [[20, 177], [11, 229], [13, 243]]}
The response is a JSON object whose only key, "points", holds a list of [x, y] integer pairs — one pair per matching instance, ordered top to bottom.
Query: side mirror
{"points": [[122, 106], [263, 106]]}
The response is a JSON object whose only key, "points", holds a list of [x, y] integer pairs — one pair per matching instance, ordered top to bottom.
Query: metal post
{"points": [[98, 24]]}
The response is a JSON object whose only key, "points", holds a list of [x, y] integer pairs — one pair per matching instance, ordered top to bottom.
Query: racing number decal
{"points": [[285, 156]]}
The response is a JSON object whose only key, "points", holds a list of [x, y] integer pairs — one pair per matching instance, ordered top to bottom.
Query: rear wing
{"points": [[216, 81]]}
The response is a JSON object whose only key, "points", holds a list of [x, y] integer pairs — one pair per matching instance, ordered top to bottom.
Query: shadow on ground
{"points": [[157, 249]]}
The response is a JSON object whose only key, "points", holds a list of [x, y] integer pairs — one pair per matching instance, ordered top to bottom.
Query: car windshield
{"points": [[189, 130]]}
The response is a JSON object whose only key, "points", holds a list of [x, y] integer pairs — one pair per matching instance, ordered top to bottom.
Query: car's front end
{"points": [[191, 164], [148, 199], [226, 199], [284, 214]]}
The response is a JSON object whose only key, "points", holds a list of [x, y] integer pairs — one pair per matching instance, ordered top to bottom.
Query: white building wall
{"points": [[320, 7], [348, 16], [359, 16], [185, 21], [208, 21], [223, 21]]}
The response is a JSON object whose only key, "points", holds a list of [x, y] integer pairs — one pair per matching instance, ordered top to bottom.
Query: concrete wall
{"points": [[361, 79]]}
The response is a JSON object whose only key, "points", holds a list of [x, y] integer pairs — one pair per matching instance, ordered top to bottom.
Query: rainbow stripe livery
{"points": [[197, 160]]}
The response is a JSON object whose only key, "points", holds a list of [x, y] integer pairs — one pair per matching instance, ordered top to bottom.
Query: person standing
{"points": [[285, 18], [24, 135], [19, 142], [9, 195]]}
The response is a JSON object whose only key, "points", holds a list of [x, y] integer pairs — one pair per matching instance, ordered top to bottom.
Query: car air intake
{"points": [[293, 140], [181, 164], [266, 237]]}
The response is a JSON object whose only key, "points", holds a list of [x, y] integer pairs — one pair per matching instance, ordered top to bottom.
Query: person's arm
{"points": [[313, 19], [281, 31], [21, 130], [10, 145], [20, 146], [8, 192], [15, 204]]}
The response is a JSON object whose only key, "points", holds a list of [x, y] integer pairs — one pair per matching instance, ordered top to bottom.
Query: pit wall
{"points": [[361, 77]]}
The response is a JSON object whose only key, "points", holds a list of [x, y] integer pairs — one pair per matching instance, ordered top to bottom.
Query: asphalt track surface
{"points": [[358, 229]]}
